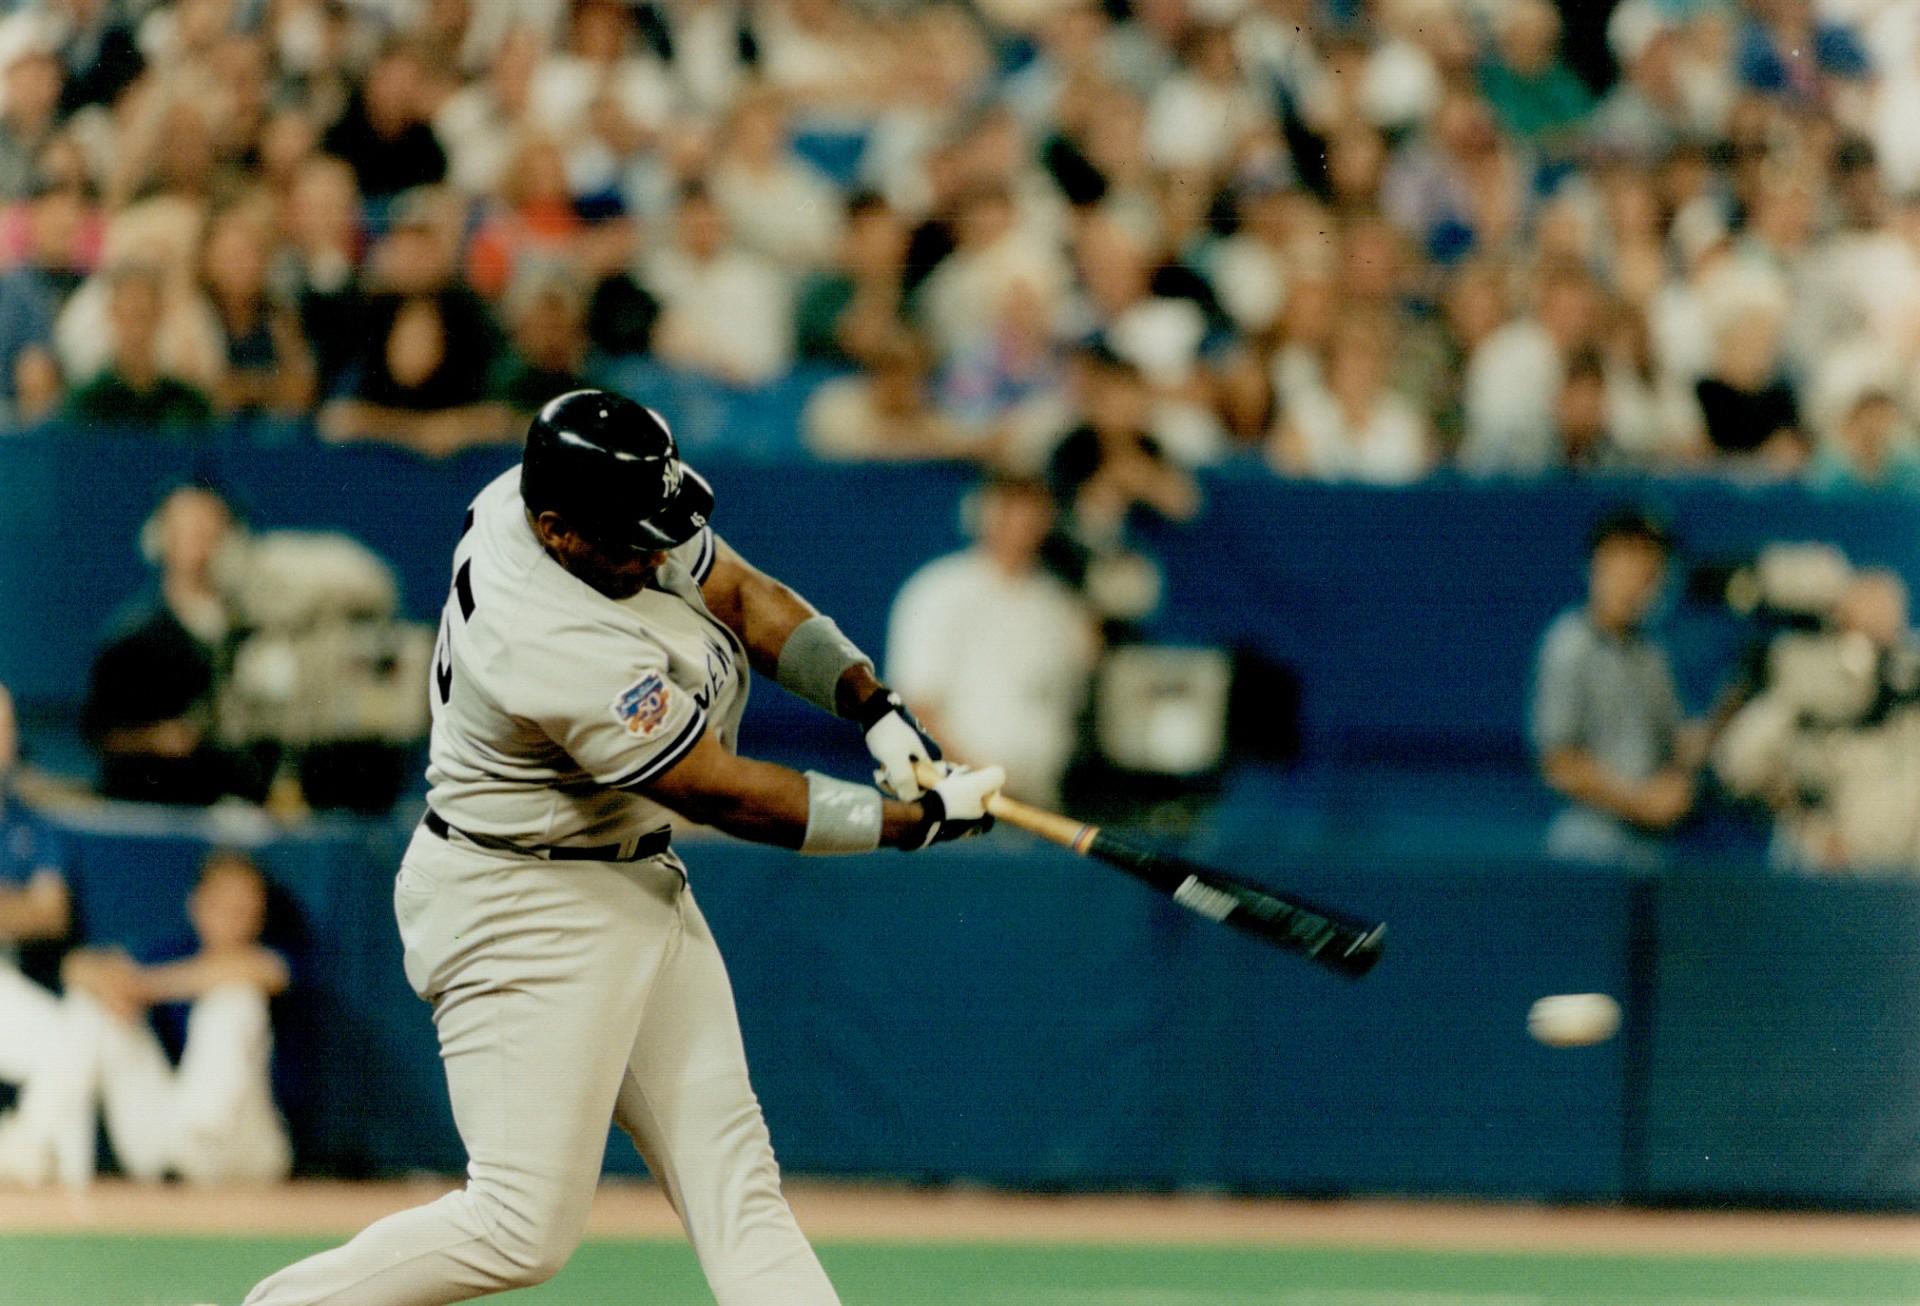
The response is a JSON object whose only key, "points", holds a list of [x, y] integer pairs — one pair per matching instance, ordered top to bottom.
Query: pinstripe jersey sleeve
{"points": [[697, 554]]}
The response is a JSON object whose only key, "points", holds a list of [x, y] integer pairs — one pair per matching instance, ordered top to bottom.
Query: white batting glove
{"points": [[898, 743], [957, 806]]}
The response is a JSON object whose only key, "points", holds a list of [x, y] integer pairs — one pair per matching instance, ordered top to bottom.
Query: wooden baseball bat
{"points": [[1344, 944]]}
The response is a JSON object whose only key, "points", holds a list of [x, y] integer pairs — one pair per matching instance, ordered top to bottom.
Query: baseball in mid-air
{"points": [[1574, 1020]]}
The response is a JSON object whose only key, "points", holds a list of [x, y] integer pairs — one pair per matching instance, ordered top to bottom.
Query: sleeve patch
{"points": [[641, 708]]}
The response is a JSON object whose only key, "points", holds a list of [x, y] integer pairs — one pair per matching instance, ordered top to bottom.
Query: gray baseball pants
{"points": [[567, 994]]}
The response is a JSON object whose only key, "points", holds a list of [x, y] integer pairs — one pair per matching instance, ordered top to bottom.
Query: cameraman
{"points": [[1606, 719], [1831, 739]]}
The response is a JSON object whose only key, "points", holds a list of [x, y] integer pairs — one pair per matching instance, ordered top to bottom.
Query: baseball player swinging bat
{"points": [[1344, 944]]}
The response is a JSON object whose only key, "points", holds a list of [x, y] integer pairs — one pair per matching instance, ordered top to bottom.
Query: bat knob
{"points": [[1362, 955]]}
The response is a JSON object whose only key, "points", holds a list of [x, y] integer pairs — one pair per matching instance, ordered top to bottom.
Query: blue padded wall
{"points": [[1003, 1013], [1785, 1052]]}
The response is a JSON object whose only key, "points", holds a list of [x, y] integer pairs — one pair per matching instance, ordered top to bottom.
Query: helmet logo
{"points": [[669, 477]]}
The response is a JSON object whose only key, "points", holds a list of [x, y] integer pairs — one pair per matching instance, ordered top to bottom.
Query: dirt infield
{"points": [[834, 1212]]}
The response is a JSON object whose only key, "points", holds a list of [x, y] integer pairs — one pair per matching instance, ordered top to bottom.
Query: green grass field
{"points": [[93, 1270]]}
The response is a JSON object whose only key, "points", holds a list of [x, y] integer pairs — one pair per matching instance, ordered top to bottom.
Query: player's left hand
{"points": [[898, 743], [957, 806]]}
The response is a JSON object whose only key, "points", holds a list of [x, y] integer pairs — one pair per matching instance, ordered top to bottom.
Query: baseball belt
{"points": [[650, 844]]}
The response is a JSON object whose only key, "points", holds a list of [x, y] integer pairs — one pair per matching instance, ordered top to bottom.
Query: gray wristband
{"points": [[814, 658], [841, 817]]}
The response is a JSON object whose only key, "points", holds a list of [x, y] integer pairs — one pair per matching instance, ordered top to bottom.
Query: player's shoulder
{"points": [[496, 506], [698, 554], [494, 562], [951, 572], [561, 638], [1569, 638]]}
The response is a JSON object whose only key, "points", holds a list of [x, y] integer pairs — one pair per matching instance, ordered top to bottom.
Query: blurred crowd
{"points": [[1355, 239]]}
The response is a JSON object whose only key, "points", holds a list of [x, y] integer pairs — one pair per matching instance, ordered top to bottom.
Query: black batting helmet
{"points": [[610, 469]]}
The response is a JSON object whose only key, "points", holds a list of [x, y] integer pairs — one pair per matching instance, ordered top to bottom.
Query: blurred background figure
{"points": [[29, 115], [385, 134], [32, 293], [852, 305], [724, 311], [423, 343], [547, 345], [268, 366], [132, 391], [884, 414], [1353, 427], [1869, 446], [1109, 474], [991, 651], [151, 695], [1606, 724], [1828, 735], [211, 1118]]}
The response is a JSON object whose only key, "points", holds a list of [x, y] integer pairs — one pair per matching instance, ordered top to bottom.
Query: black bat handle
{"points": [[1342, 943]]}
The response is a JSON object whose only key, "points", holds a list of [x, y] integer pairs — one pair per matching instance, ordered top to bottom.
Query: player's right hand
{"points": [[957, 807]]}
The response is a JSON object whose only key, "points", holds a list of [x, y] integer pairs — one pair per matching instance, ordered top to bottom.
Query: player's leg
{"points": [[538, 974], [53, 1061], [136, 1088], [692, 1113], [225, 1127]]}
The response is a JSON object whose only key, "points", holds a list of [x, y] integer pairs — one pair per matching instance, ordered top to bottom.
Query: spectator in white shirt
{"points": [[825, 54], [600, 61], [1197, 117], [479, 124], [776, 205], [961, 299], [724, 312], [1514, 377], [884, 414], [1354, 428], [991, 651]]}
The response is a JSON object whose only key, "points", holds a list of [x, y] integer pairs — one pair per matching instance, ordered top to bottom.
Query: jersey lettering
{"points": [[463, 587], [443, 649], [443, 663], [719, 671]]}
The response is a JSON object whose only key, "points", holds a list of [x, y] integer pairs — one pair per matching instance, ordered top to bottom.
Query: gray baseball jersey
{"points": [[554, 704], [570, 994]]}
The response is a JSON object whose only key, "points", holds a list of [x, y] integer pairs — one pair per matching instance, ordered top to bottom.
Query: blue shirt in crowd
{"points": [[1612, 697]]}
